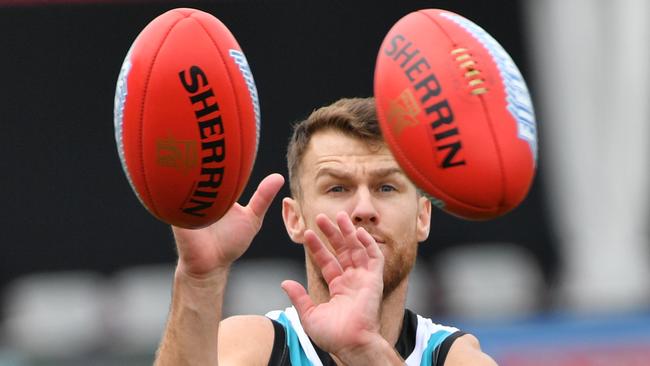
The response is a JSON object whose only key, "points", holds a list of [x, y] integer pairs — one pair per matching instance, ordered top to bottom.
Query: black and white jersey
{"points": [[421, 342]]}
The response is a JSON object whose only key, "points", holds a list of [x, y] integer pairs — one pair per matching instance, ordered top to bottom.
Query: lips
{"points": [[379, 239]]}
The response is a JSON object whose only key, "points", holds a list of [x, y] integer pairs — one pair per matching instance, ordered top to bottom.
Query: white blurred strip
{"points": [[590, 59]]}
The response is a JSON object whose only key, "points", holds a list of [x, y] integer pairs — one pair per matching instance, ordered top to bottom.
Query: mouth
{"points": [[378, 239]]}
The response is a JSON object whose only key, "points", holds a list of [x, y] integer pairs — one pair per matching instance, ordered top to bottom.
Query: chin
{"points": [[397, 267]]}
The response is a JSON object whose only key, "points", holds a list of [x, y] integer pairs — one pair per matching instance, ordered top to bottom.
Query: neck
{"points": [[391, 313]]}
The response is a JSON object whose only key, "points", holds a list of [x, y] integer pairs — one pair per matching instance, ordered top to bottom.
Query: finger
{"points": [[263, 196], [345, 223], [331, 232], [336, 240], [368, 242], [372, 248], [358, 254], [359, 257], [323, 258], [298, 297]]}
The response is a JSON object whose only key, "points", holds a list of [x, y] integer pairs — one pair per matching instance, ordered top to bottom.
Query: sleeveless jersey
{"points": [[421, 342]]}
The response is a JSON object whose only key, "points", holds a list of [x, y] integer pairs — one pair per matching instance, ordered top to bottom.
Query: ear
{"points": [[424, 218], [293, 220]]}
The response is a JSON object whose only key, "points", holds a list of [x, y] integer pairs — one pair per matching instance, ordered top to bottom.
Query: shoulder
{"points": [[245, 340], [465, 351]]}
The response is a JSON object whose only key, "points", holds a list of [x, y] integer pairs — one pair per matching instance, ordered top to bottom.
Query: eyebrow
{"points": [[332, 172], [385, 172], [342, 174]]}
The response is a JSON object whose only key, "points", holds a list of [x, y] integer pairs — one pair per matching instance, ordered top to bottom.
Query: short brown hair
{"points": [[354, 117]]}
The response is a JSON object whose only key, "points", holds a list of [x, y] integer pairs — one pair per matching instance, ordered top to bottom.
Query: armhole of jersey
{"points": [[443, 349], [279, 353]]}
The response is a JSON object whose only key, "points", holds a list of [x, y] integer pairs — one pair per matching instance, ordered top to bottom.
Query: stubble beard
{"points": [[398, 265]]}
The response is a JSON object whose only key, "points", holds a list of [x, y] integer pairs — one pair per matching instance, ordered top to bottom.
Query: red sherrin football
{"points": [[456, 114], [186, 118]]}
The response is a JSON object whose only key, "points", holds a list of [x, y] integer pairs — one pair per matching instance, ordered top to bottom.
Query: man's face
{"points": [[342, 173]]}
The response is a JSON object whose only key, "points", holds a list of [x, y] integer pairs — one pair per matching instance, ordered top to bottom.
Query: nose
{"points": [[364, 210]]}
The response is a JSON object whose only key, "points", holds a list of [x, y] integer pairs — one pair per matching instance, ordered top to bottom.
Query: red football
{"points": [[456, 114], [186, 118]]}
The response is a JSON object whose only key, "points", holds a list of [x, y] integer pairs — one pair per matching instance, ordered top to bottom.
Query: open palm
{"points": [[204, 250], [354, 274]]}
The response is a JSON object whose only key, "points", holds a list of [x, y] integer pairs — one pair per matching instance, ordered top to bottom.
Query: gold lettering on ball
{"points": [[402, 111], [178, 154]]}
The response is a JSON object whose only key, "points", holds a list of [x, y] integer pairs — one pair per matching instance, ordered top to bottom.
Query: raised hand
{"points": [[203, 251], [349, 321], [192, 332]]}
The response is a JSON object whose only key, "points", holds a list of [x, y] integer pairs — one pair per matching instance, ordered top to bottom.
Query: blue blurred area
{"points": [[569, 340]]}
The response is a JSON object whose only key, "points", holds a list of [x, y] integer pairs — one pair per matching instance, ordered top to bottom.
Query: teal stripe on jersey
{"points": [[434, 341], [296, 353]]}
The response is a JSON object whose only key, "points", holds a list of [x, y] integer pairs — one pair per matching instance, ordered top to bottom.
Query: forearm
{"points": [[190, 336], [380, 353]]}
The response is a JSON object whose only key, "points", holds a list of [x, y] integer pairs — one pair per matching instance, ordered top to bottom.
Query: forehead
{"points": [[334, 149]]}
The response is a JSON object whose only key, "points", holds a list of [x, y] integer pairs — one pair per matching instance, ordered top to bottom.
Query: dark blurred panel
{"points": [[67, 203]]}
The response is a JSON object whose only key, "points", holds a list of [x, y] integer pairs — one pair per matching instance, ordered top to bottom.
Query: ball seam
{"points": [[142, 108], [497, 146], [439, 194], [233, 196]]}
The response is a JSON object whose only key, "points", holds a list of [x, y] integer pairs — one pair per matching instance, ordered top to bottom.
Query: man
{"points": [[360, 220]]}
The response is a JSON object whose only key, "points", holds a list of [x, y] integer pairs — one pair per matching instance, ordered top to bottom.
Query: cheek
{"points": [[316, 206], [309, 218], [402, 219]]}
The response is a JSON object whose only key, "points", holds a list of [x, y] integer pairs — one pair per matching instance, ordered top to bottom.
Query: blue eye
{"points": [[387, 188], [336, 189]]}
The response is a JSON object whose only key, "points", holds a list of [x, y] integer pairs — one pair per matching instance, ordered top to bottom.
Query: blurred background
{"points": [[85, 271]]}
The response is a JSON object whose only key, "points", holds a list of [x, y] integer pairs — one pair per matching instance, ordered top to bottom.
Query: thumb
{"points": [[266, 191], [299, 297]]}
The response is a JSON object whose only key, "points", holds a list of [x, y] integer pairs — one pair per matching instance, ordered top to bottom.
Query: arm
{"points": [[347, 326], [192, 332], [190, 336], [466, 351], [378, 353]]}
